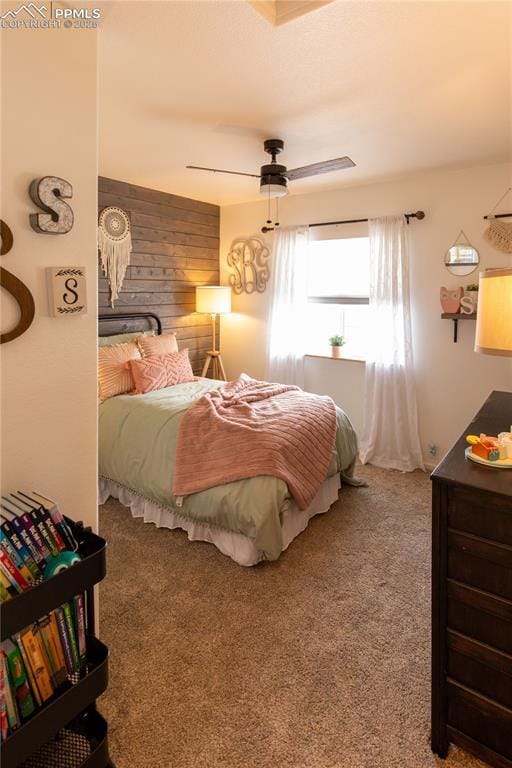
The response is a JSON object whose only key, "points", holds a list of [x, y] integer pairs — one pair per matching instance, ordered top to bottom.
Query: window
{"points": [[338, 290]]}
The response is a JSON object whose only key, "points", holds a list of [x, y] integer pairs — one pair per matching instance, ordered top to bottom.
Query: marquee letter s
{"points": [[47, 193]]}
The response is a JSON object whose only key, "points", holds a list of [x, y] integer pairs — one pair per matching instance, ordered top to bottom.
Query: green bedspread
{"points": [[137, 447]]}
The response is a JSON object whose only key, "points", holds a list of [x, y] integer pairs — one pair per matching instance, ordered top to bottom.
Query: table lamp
{"points": [[213, 300], [494, 314]]}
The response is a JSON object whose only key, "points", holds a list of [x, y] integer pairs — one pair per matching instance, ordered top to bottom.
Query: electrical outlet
{"points": [[432, 449]]}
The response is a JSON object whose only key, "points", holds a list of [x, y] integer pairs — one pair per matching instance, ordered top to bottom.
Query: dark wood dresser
{"points": [[472, 597]]}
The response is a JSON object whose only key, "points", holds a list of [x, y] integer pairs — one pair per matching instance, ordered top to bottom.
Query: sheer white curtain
{"points": [[286, 333], [390, 432]]}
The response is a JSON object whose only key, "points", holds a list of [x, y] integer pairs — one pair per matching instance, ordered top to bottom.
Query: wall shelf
{"points": [[455, 317]]}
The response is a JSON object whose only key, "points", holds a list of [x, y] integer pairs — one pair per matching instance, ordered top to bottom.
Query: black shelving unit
{"points": [[71, 712]]}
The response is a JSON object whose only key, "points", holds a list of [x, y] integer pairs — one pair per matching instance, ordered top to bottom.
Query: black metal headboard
{"points": [[129, 317]]}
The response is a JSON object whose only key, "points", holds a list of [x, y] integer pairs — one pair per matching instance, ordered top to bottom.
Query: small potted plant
{"points": [[472, 292], [336, 343]]}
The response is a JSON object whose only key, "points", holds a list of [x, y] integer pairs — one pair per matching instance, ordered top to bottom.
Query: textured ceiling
{"points": [[399, 87]]}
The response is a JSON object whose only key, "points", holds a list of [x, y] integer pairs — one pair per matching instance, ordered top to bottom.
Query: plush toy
{"points": [[61, 562]]}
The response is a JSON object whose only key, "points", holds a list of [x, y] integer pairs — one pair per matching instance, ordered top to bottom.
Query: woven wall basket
{"points": [[499, 234]]}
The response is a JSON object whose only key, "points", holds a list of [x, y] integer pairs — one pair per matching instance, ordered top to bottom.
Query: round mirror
{"points": [[461, 259]]}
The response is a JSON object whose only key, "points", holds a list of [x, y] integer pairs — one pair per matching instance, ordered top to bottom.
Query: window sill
{"points": [[338, 359]]}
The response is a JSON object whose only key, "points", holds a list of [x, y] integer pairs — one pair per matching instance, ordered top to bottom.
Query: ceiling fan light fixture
{"points": [[274, 186]]}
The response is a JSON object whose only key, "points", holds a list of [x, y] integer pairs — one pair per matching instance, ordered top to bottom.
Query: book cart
{"points": [[74, 732]]}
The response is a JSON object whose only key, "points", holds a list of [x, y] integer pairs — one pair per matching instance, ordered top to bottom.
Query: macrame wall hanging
{"points": [[499, 233], [115, 246]]}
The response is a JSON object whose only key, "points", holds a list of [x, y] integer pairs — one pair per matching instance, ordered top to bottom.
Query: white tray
{"points": [[498, 464]]}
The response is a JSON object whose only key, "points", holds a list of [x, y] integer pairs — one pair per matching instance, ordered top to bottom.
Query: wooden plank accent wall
{"points": [[175, 247]]}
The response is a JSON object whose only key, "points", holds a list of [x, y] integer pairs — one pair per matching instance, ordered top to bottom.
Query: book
{"points": [[41, 513], [35, 515], [15, 517], [58, 518], [16, 526], [20, 546], [15, 557], [13, 574], [10, 579], [7, 586], [4, 594], [79, 611], [68, 616], [64, 639], [57, 641], [37, 663], [28, 670], [58, 673], [19, 680], [10, 702], [4, 725]]}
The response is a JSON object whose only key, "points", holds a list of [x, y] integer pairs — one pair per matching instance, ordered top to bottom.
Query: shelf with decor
{"points": [[455, 317], [65, 729]]}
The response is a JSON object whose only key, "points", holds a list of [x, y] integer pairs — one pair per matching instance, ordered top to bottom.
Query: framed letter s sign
{"points": [[67, 293]]}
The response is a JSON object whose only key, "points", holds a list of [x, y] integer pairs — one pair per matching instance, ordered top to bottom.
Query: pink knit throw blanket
{"points": [[248, 428]]}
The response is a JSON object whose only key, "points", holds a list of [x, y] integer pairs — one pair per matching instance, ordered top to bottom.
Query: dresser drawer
{"points": [[482, 515], [481, 563], [479, 615], [480, 668], [473, 714]]}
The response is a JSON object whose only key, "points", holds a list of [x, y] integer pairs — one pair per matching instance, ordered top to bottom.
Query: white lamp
{"points": [[213, 300], [494, 314]]}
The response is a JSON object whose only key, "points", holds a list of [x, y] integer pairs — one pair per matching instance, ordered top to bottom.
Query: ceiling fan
{"points": [[274, 177]]}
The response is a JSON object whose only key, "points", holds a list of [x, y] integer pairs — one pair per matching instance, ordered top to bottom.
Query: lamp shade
{"points": [[213, 299], [494, 315]]}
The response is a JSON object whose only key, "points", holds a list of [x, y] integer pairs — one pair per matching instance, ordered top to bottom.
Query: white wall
{"points": [[48, 375], [452, 381]]}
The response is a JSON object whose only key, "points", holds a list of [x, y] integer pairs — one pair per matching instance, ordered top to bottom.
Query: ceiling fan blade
{"points": [[316, 168], [219, 170]]}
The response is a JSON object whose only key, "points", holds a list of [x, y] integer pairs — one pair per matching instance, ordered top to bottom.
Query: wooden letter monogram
{"points": [[47, 193], [248, 257], [16, 288]]}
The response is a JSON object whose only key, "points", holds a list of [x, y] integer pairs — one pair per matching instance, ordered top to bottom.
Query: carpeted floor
{"points": [[320, 660]]}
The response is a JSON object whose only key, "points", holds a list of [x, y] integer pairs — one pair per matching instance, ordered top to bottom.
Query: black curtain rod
{"points": [[418, 215], [498, 216]]}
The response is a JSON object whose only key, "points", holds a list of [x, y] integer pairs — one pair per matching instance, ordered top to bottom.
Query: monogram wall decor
{"points": [[48, 194], [248, 258], [16, 288], [67, 291]]}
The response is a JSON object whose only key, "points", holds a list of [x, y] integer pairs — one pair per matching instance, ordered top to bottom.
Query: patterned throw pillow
{"points": [[157, 345], [160, 371], [114, 375]]}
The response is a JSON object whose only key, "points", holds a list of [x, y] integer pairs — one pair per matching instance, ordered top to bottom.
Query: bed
{"points": [[250, 520]]}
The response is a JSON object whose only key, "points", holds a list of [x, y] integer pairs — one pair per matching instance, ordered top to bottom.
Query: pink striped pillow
{"points": [[160, 371], [114, 377]]}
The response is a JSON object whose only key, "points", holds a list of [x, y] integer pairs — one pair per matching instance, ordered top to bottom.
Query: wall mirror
{"points": [[462, 258]]}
